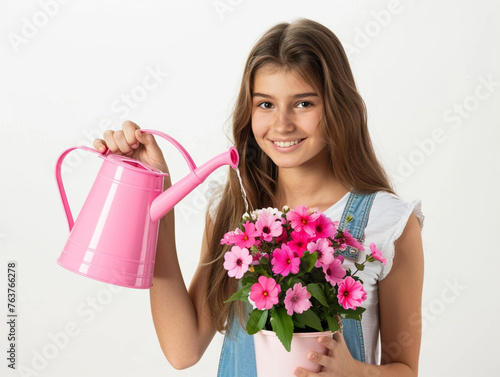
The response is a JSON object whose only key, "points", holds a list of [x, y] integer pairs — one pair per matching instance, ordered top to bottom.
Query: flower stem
{"points": [[362, 264]]}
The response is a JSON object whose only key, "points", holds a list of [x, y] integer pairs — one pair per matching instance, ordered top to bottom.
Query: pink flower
{"points": [[270, 211], [302, 220], [268, 227], [323, 227], [284, 234], [248, 238], [228, 239], [348, 240], [351, 241], [299, 243], [324, 251], [377, 254], [236, 261], [285, 261], [334, 272], [265, 292], [351, 293], [297, 299]]}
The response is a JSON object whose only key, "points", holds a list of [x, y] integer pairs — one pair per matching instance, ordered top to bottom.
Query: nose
{"points": [[284, 121]]}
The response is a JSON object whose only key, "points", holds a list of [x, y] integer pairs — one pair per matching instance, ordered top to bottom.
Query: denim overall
{"points": [[237, 357]]}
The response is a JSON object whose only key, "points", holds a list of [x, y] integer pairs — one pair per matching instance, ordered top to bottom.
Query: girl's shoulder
{"points": [[392, 208], [388, 217]]}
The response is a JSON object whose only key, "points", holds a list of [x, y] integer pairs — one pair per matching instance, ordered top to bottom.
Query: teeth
{"points": [[286, 144]]}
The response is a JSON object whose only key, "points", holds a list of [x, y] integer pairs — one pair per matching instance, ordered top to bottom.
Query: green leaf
{"points": [[264, 261], [307, 262], [359, 266], [260, 270], [249, 279], [294, 280], [327, 288], [316, 291], [329, 294], [241, 295], [237, 296], [359, 310], [349, 313], [357, 317], [309, 318], [256, 321], [298, 324], [333, 325], [283, 326]]}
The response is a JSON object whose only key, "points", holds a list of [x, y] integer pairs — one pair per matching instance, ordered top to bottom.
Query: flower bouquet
{"points": [[290, 270]]}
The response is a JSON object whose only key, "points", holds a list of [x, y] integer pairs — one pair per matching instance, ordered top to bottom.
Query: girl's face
{"points": [[286, 115]]}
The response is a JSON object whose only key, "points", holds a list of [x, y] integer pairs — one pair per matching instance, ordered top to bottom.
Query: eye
{"points": [[304, 104], [265, 105]]}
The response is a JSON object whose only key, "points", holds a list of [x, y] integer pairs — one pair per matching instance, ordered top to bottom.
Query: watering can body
{"points": [[114, 237]]}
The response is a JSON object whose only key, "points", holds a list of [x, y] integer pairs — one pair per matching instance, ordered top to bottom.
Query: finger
{"points": [[129, 128], [144, 138], [110, 141], [122, 143], [100, 145], [338, 337], [330, 343], [320, 359], [324, 359], [304, 373]]}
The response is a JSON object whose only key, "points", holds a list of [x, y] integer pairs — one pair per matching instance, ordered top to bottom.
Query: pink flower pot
{"points": [[274, 360]]}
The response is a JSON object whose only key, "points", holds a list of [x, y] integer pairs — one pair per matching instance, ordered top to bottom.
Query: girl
{"points": [[300, 128]]}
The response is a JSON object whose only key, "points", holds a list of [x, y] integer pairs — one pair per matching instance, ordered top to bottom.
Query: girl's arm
{"points": [[400, 296], [400, 304], [180, 316]]}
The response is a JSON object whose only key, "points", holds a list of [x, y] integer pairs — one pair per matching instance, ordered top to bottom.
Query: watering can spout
{"points": [[170, 197]]}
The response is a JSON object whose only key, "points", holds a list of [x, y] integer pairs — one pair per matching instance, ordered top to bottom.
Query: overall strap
{"points": [[354, 218], [237, 357]]}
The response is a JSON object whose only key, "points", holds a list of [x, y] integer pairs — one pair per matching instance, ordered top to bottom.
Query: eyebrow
{"points": [[300, 95]]}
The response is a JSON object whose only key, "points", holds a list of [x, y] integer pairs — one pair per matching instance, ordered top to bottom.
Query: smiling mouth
{"points": [[286, 144]]}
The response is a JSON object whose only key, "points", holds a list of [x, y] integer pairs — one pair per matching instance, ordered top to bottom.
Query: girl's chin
{"points": [[283, 161], [288, 163]]}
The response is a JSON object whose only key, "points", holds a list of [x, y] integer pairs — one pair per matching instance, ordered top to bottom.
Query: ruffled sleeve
{"points": [[405, 209]]}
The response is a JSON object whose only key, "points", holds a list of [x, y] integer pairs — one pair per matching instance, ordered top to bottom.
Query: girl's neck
{"points": [[314, 185]]}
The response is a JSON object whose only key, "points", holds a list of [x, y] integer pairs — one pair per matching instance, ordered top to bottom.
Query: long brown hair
{"points": [[314, 52]]}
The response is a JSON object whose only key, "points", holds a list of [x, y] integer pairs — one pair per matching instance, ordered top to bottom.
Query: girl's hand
{"points": [[131, 142], [337, 363]]}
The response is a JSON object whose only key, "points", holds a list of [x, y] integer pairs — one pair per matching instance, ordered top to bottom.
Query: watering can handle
{"points": [[181, 149], [60, 185], [64, 198]]}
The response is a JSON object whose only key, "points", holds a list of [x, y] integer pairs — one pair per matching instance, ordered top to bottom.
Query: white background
{"points": [[61, 84]]}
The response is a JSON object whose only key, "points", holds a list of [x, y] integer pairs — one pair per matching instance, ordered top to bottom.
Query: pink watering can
{"points": [[114, 237]]}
